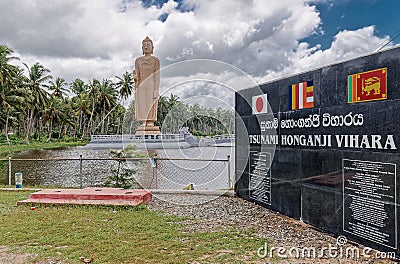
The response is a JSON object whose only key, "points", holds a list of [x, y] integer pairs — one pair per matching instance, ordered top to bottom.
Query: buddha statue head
{"points": [[147, 46]]}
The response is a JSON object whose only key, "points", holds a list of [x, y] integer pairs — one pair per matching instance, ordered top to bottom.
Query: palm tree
{"points": [[7, 71], [37, 76], [125, 85], [58, 87], [78, 87], [11, 93], [94, 93], [11, 99], [107, 100], [173, 100], [165, 106], [82, 107], [162, 110], [52, 113], [116, 118], [68, 119], [196, 119], [130, 123]]}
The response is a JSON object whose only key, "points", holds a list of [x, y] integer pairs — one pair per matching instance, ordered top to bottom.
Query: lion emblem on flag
{"points": [[373, 83]]}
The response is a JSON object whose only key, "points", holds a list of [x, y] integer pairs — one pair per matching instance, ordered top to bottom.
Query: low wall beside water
{"points": [[323, 146]]}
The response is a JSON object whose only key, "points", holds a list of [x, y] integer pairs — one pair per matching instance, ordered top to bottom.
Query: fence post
{"points": [[153, 163], [155, 169], [80, 170], [9, 172], [155, 172], [229, 172]]}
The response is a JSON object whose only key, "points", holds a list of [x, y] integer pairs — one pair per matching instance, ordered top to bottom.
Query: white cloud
{"points": [[101, 38], [346, 45]]}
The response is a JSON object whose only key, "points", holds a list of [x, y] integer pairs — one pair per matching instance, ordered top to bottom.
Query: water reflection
{"points": [[64, 173]]}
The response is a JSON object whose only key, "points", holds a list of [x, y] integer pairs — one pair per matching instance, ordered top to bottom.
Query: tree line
{"points": [[36, 106], [174, 114]]}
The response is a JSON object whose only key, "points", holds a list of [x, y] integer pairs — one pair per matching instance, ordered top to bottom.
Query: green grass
{"points": [[115, 235]]}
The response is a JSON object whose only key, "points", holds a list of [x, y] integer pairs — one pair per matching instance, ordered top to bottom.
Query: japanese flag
{"points": [[259, 104]]}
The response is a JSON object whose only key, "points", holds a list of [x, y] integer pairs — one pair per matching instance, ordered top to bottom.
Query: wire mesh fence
{"points": [[155, 173], [202, 174]]}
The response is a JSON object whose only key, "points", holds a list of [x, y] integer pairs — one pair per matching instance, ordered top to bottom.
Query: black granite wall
{"points": [[335, 165]]}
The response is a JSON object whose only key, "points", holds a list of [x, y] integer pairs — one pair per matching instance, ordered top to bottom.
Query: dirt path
{"points": [[14, 258]]}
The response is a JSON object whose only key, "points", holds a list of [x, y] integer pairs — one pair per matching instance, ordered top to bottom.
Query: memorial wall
{"points": [[323, 146]]}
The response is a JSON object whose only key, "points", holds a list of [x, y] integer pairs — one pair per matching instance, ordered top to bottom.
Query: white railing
{"points": [[105, 137], [166, 137], [120, 138]]}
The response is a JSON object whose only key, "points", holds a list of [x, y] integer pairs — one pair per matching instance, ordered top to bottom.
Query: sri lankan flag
{"points": [[367, 86], [301, 95]]}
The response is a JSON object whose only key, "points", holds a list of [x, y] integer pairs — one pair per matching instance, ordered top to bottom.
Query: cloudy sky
{"points": [[264, 39]]}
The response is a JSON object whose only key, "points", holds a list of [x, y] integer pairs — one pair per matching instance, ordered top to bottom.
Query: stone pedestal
{"points": [[147, 128]]}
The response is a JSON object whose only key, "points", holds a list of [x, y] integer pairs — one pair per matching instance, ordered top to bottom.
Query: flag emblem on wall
{"points": [[367, 86], [301, 95], [259, 104]]}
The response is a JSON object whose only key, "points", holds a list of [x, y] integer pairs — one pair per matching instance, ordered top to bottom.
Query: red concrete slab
{"points": [[99, 196], [80, 202]]}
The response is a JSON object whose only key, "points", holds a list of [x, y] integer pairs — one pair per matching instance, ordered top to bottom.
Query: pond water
{"points": [[175, 167], [65, 173]]}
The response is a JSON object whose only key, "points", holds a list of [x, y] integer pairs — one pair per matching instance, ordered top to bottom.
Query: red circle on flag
{"points": [[259, 104]]}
